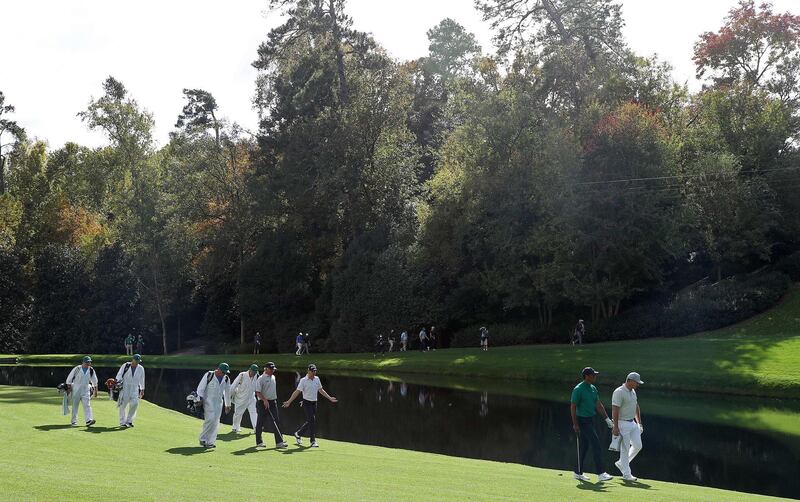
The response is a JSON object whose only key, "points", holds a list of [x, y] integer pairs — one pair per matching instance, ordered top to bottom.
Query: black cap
{"points": [[271, 366], [312, 367], [589, 371]]}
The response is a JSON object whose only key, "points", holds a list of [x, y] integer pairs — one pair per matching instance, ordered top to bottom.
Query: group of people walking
{"points": [[129, 342], [251, 391], [625, 423]]}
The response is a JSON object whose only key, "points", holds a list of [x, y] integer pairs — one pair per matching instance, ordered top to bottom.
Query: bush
{"points": [[790, 265], [702, 307], [511, 334]]}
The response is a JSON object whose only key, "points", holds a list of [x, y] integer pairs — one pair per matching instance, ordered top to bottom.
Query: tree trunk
{"points": [[2, 175], [239, 294], [159, 303], [179, 333]]}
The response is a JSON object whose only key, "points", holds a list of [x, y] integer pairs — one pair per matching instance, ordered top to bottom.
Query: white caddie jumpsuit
{"points": [[132, 384], [82, 387], [243, 393], [214, 394]]}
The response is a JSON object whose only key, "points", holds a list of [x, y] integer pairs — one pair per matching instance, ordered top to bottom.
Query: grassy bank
{"points": [[758, 357], [159, 460]]}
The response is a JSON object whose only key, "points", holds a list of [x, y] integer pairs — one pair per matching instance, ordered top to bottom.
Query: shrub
{"points": [[790, 265], [702, 307]]}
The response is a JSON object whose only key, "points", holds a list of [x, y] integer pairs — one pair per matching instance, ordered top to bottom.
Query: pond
{"points": [[493, 423]]}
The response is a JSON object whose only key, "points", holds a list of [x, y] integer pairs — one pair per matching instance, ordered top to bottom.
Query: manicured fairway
{"points": [[759, 357], [159, 460]]}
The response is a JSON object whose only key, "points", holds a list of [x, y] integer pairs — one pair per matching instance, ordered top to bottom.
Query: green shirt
{"points": [[129, 340], [585, 397]]}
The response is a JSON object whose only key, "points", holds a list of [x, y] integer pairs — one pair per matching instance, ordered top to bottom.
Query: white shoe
{"points": [[73, 424], [123, 425], [234, 431], [297, 439], [282, 445], [314, 445], [261, 446], [618, 465], [581, 477], [604, 477], [630, 478]]}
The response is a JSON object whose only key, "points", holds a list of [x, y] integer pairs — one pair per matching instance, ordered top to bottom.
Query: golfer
{"points": [[484, 338], [299, 342], [129, 345], [132, 377], [82, 385], [309, 386], [214, 391], [243, 395], [584, 405], [267, 406], [627, 423]]}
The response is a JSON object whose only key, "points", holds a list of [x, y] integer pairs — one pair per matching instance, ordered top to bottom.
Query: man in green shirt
{"points": [[129, 345], [584, 405]]}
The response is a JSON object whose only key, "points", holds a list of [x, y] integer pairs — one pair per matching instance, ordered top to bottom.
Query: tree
{"points": [[595, 26], [754, 46], [199, 113], [15, 133], [732, 214], [143, 217], [60, 291], [15, 303]]}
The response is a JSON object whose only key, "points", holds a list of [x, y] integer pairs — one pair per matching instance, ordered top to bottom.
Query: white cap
{"points": [[635, 377]]}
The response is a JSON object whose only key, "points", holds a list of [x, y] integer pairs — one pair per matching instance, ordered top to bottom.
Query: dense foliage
{"points": [[562, 177]]}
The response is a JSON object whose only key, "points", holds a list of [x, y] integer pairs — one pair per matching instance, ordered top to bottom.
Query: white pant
{"points": [[299, 349], [132, 404], [87, 407], [239, 409], [211, 416], [630, 446]]}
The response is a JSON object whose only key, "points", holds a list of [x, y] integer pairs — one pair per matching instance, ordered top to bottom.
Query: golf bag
{"points": [[64, 390], [194, 404]]}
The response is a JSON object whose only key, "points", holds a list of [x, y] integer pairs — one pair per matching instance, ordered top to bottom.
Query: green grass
{"points": [[758, 357], [159, 460]]}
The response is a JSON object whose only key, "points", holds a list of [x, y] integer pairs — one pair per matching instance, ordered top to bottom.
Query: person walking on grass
{"points": [[577, 334], [432, 338], [484, 338], [298, 340], [391, 340], [423, 340], [403, 341], [257, 343], [306, 343], [140, 344], [129, 345], [131, 375], [82, 385], [310, 386], [214, 392], [243, 395], [584, 405], [267, 406], [627, 423]]}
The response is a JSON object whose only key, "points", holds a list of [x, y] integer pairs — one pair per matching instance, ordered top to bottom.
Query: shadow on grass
{"points": [[52, 427], [98, 430], [232, 436], [251, 449], [296, 450], [187, 451], [637, 484], [595, 487]]}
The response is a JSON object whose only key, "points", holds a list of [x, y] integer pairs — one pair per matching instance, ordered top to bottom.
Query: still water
{"points": [[493, 425]]}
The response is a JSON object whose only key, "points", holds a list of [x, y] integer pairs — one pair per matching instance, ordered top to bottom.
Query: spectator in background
{"points": [[577, 335], [432, 338], [484, 339], [391, 340], [423, 340], [299, 341], [403, 341], [257, 343], [306, 343], [140, 344], [129, 345]]}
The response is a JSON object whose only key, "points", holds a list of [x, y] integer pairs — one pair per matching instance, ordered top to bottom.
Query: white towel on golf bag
{"points": [[615, 442]]}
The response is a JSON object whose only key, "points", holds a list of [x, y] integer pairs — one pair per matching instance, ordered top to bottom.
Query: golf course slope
{"points": [[758, 357], [159, 459]]}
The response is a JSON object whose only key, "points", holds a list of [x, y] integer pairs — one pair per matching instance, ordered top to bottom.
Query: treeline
{"points": [[561, 176]]}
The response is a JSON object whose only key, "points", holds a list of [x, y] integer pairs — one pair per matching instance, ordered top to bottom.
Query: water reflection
{"points": [[525, 430]]}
